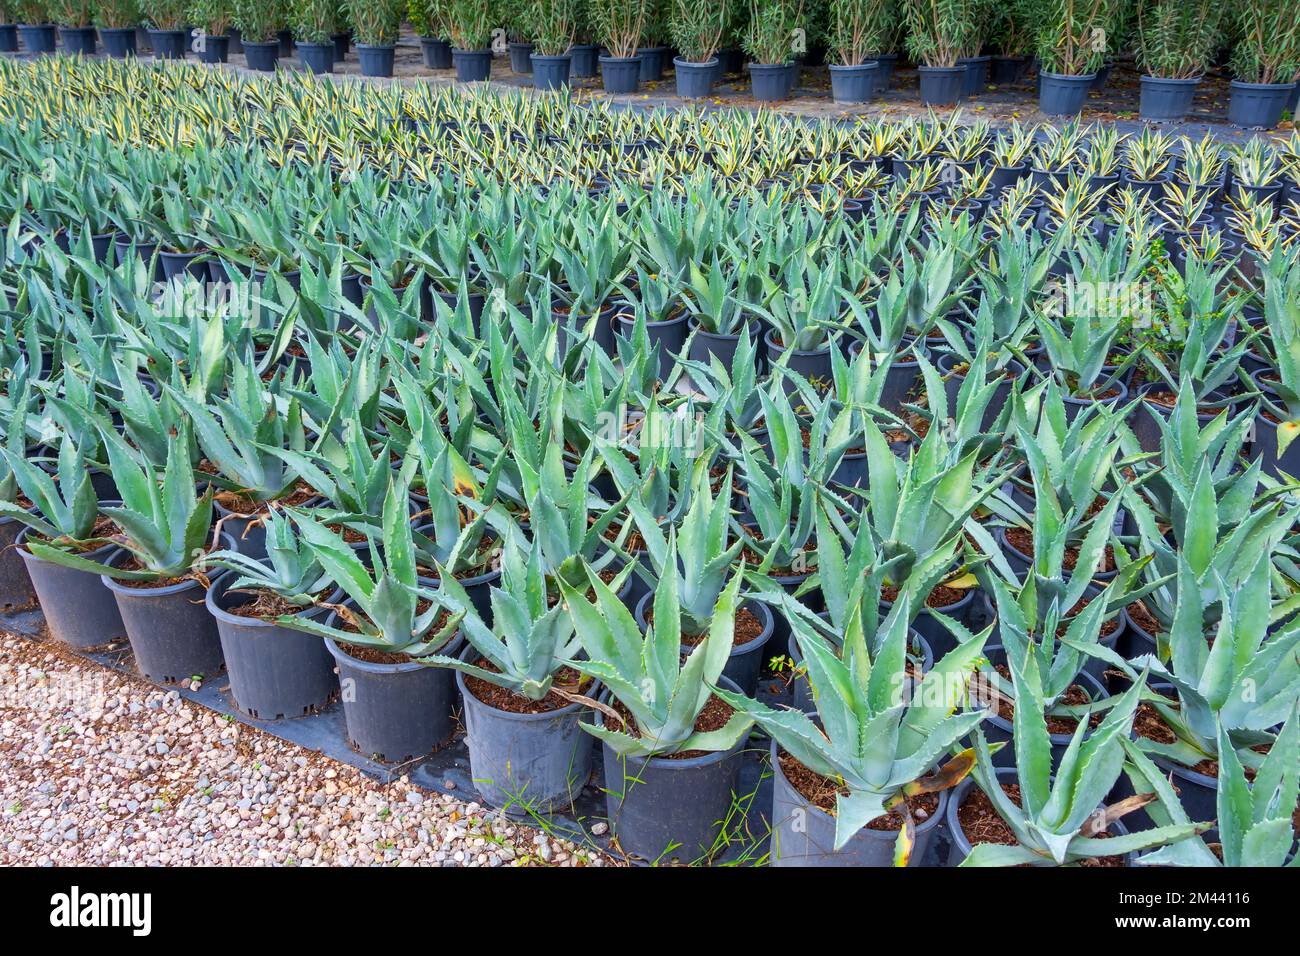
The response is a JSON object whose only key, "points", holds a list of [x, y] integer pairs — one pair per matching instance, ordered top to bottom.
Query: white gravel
{"points": [[99, 768]]}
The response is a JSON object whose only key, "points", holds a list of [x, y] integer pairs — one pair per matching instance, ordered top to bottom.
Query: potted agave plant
{"points": [[213, 18], [75, 19], [428, 19], [313, 23], [555, 23], [166, 24], [376, 24], [618, 24], [34, 25], [469, 26], [259, 27], [8, 30], [697, 32], [938, 32], [1175, 41], [769, 43], [851, 43], [1070, 53], [1264, 62], [64, 516], [381, 624], [274, 671], [521, 695], [671, 745]]}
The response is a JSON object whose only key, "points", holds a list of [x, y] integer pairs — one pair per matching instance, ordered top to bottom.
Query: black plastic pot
{"points": [[8, 38], [37, 38], [285, 39], [78, 40], [236, 40], [168, 44], [342, 44], [215, 49], [436, 52], [262, 56], [317, 57], [521, 57], [375, 60], [583, 60], [652, 63], [885, 63], [472, 66], [1005, 70], [551, 72], [620, 74], [977, 74], [694, 79], [770, 82], [853, 84], [941, 85], [1062, 95], [1166, 100], [1258, 105], [177, 264], [670, 336], [705, 344], [813, 364], [952, 383], [1074, 405], [1146, 418], [1264, 447], [247, 532], [15, 584], [79, 611], [172, 635], [746, 660], [275, 672], [395, 712], [998, 730], [525, 763], [663, 809], [804, 834], [958, 846]]}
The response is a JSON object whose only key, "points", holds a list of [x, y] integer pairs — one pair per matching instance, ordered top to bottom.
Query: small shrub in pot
{"points": [[428, 17], [75, 19], [213, 20], [166, 22], [314, 23], [375, 24], [35, 25], [618, 25], [554, 26], [259, 27], [469, 28], [697, 32], [938, 33], [853, 36], [769, 43], [1174, 43], [1069, 52], [1264, 62]]}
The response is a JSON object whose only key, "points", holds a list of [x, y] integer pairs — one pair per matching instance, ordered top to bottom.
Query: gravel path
{"points": [[98, 768]]}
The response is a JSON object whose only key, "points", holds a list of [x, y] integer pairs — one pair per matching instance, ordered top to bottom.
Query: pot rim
{"points": [[220, 586], [570, 708], [670, 763]]}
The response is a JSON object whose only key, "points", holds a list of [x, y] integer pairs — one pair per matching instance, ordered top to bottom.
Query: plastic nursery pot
{"points": [[8, 38], [37, 38], [285, 39], [78, 40], [236, 40], [168, 44], [342, 44], [215, 49], [436, 53], [262, 56], [317, 57], [520, 57], [375, 60], [584, 60], [652, 62], [472, 66], [1005, 70], [550, 72], [620, 74], [977, 74], [884, 76], [695, 79], [770, 82], [853, 84], [941, 85], [1062, 95], [1166, 100], [1258, 105], [176, 264], [670, 336], [705, 344], [813, 364], [952, 382], [1074, 405], [1146, 417], [1264, 445], [246, 530], [15, 584], [79, 611], [172, 635], [745, 660], [274, 671], [395, 712], [997, 729], [525, 762], [666, 809], [804, 834], [959, 847]]}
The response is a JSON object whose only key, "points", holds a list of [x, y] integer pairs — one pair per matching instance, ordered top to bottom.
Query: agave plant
{"points": [[290, 570]]}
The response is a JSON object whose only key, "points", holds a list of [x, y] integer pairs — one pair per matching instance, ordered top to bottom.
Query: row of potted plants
{"points": [[343, 443]]}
